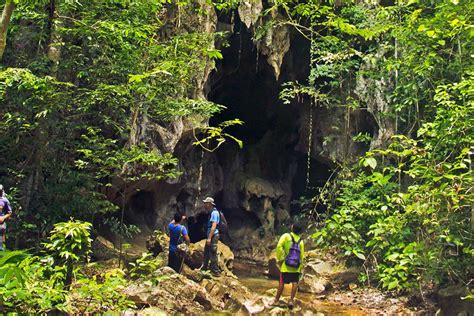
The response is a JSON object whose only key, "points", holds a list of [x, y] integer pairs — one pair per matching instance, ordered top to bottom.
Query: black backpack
{"points": [[223, 227]]}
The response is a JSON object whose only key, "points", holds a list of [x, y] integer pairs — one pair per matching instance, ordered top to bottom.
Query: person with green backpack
{"points": [[290, 258]]}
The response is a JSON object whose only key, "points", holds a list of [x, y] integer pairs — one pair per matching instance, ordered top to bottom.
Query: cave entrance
{"points": [[245, 84], [141, 209], [241, 223], [197, 227]]}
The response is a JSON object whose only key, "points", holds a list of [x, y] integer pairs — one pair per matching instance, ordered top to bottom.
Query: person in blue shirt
{"points": [[5, 213], [177, 233], [210, 249]]}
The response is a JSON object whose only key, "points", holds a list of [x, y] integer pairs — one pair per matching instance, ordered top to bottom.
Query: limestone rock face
{"points": [[249, 11], [275, 44], [377, 103], [164, 136], [254, 186], [260, 196]]}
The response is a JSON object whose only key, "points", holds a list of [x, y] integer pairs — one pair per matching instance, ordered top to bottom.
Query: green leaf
{"points": [[371, 162], [359, 255], [392, 285]]}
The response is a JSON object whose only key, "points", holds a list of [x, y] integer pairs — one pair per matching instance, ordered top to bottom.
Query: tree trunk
{"points": [[4, 22], [55, 42]]}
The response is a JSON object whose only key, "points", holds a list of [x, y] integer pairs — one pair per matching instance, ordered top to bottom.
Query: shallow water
{"points": [[261, 284]]}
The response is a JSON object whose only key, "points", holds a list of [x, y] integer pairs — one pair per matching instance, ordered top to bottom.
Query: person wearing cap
{"points": [[5, 213], [210, 249]]}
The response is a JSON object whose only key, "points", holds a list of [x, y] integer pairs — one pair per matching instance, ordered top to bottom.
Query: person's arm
{"points": [[8, 210], [214, 220], [211, 233], [185, 235], [280, 249], [301, 254]]}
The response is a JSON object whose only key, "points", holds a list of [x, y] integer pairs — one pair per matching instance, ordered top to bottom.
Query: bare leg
{"points": [[294, 289], [279, 291]]}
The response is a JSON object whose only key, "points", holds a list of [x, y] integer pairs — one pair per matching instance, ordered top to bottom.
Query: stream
{"points": [[255, 279]]}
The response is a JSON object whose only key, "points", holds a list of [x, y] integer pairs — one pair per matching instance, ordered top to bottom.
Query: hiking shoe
{"points": [[215, 273], [276, 304]]}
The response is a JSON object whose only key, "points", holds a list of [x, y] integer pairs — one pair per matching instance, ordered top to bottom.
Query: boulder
{"points": [[158, 242], [105, 250], [196, 255], [273, 267], [318, 268], [192, 274], [342, 279], [313, 284], [172, 293], [234, 296], [453, 301], [149, 311]]}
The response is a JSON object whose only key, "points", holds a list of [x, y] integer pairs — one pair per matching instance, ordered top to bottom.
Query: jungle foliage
{"points": [[78, 78], [404, 210], [60, 278]]}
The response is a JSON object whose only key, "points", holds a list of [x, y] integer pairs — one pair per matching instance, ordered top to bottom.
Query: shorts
{"points": [[289, 277]]}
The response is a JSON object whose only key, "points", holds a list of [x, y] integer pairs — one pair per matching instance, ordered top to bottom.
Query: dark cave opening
{"points": [[245, 83], [237, 91], [141, 209], [240, 223], [197, 227]]}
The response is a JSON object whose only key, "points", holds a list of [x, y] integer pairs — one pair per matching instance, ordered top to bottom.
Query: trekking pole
{"points": [[181, 266]]}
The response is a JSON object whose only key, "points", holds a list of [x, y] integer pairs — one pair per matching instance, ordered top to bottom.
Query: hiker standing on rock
{"points": [[5, 213], [177, 233], [210, 249], [290, 256]]}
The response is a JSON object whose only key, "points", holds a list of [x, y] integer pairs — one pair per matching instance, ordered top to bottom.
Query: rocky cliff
{"points": [[289, 150]]}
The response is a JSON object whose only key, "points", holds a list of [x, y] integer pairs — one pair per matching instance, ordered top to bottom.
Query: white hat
{"points": [[209, 200]]}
